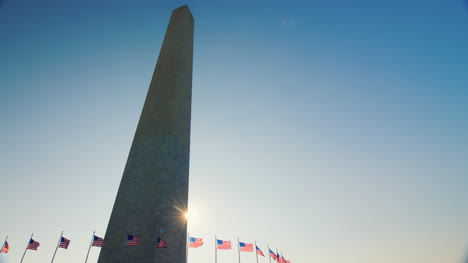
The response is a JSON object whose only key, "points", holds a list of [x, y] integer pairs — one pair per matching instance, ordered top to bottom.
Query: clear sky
{"points": [[334, 131]]}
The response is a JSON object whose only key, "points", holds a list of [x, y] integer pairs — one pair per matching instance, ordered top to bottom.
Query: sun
{"points": [[187, 215]]}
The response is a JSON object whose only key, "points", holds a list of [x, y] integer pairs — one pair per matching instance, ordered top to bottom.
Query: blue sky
{"points": [[334, 131]]}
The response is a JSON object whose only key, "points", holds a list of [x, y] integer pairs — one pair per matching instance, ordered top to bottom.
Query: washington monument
{"points": [[153, 194]]}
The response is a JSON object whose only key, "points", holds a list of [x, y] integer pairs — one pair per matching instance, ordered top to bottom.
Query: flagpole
{"points": [[158, 230], [60, 239], [4, 242], [90, 244], [186, 247], [238, 248], [26, 249], [216, 249], [125, 250], [155, 254], [256, 254], [269, 256]]}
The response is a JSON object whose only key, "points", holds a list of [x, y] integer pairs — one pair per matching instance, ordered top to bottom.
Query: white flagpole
{"points": [[60, 239], [90, 244], [186, 247], [238, 248], [26, 249], [216, 249], [256, 254], [269, 256]]}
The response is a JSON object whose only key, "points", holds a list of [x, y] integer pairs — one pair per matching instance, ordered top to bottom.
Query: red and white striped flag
{"points": [[132, 240], [97, 241], [195, 242], [64, 243], [162, 243], [223, 244], [33, 245], [5, 247], [244, 247], [259, 251], [272, 254]]}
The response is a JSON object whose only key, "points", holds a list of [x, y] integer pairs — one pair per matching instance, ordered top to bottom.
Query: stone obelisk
{"points": [[153, 193]]}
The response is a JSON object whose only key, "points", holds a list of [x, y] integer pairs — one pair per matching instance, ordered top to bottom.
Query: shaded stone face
{"points": [[153, 193]]}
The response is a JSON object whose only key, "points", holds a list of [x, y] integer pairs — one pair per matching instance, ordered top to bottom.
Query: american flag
{"points": [[132, 240], [97, 241], [195, 242], [64, 243], [162, 243], [33, 244], [222, 244], [245, 247], [5, 248], [259, 251], [272, 255], [278, 258], [281, 259]]}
